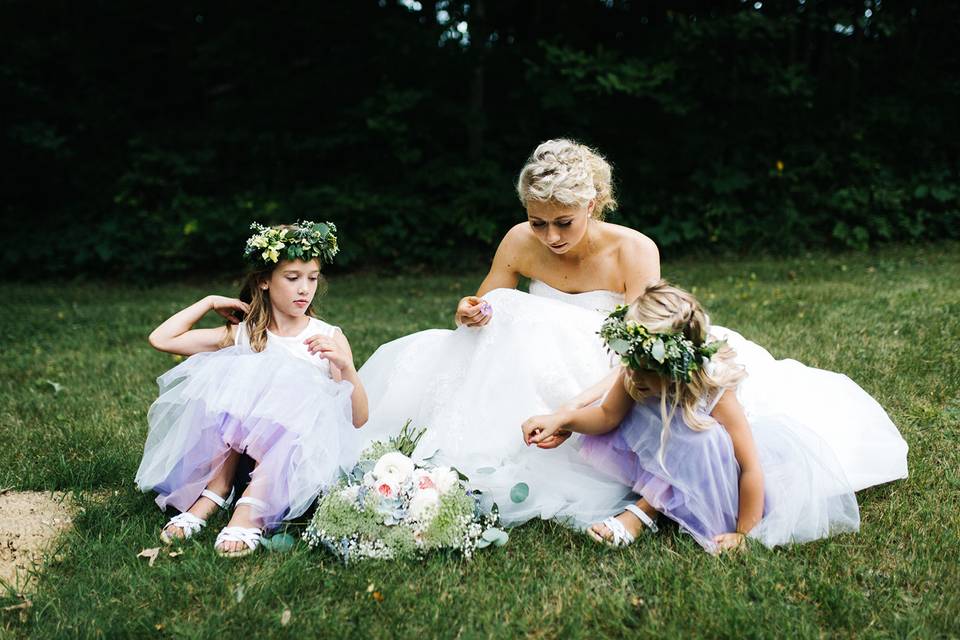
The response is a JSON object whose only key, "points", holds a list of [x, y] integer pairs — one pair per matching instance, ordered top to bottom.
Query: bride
{"points": [[515, 355]]}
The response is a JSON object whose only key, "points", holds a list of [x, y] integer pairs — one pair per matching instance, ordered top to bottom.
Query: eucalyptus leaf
{"points": [[619, 345], [658, 350], [519, 492], [495, 536], [280, 543]]}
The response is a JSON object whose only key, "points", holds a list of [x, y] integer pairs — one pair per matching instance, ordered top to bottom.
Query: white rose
{"points": [[393, 467], [369, 479], [444, 479], [423, 505]]}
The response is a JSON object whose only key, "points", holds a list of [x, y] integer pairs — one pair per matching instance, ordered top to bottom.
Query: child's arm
{"points": [[176, 334], [336, 349], [595, 392], [588, 396], [729, 413], [592, 420]]}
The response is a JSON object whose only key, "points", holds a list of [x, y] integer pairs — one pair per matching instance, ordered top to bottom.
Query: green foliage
{"points": [[793, 126]]}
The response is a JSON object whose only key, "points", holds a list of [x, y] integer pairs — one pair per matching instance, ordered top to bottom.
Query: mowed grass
{"points": [[77, 377]]}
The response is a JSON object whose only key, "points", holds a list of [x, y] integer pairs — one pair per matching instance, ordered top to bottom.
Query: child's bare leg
{"points": [[220, 484], [246, 515], [630, 522]]}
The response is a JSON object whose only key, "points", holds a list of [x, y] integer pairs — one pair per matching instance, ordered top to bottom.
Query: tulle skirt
{"points": [[472, 388], [293, 420], [866, 443], [806, 493]]}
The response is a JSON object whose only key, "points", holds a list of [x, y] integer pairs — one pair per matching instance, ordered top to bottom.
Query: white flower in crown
{"points": [[393, 467], [444, 479], [423, 505]]}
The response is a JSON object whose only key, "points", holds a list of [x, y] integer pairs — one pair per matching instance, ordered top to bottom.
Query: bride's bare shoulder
{"points": [[520, 233], [630, 240]]}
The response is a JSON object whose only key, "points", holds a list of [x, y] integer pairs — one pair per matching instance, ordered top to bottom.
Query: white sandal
{"points": [[189, 523], [249, 536], [622, 537]]}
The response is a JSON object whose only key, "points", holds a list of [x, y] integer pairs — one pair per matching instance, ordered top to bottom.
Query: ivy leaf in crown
{"points": [[304, 240], [669, 354]]}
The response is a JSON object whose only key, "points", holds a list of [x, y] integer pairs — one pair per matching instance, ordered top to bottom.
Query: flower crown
{"points": [[304, 240], [669, 354]]}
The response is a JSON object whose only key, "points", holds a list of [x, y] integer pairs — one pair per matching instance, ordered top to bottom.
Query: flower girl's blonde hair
{"points": [[664, 308]]}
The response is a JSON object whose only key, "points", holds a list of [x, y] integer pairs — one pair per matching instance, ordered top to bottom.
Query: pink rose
{"points": [[426, 482], [385, 489]]}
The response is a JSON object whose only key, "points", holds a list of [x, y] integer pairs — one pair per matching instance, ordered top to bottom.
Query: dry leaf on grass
{"points": [[150, 554], [285, 617]]}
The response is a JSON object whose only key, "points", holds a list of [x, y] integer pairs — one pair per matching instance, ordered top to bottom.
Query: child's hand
{"points": [[227, 306], [473, 312], [334, 348], [539, 428], [555, 440], [730, 542]]}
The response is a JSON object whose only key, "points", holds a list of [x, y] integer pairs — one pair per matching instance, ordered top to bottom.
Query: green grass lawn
{"points": [[77, 377]]}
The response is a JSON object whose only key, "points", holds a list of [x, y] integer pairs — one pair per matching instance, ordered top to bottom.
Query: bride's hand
{"points": [[473, 312], [539, 428]]}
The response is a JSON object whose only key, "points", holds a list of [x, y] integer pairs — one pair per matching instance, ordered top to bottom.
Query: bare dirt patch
{"points": [[29, 522]]}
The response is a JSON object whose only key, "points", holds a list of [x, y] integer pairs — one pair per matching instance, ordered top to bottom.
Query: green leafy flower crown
{"points": [[304, 240], [669, 354]]}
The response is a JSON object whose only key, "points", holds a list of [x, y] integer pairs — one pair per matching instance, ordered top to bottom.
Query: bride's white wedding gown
{"points": [[473, 388]]}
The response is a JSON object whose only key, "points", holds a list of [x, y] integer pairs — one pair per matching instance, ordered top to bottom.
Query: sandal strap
{"points": [[220, 501], [257, 504], [643, 517], [189, 523], [249, 536], [621, 537]]}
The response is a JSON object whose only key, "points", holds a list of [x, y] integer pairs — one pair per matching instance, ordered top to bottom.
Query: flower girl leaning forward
{"points": [[278, 385], [672, 428]]}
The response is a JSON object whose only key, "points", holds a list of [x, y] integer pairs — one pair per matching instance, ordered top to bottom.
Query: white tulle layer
{"points": [[473, 388], [285, 413], [861, 435], [697, 484]]}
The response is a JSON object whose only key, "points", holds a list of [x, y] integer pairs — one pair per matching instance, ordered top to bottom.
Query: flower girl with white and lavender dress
{"points": [[279, 386], [673, 429]]}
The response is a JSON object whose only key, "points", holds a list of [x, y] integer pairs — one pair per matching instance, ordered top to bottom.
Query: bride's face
{"points": [[560, 228]]}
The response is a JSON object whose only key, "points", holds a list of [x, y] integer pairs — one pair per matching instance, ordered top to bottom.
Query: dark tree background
{"points": [[140, 139]]}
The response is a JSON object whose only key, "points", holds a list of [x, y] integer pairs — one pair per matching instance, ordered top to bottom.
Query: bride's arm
{"points": [[505, 270], [504, 273]]}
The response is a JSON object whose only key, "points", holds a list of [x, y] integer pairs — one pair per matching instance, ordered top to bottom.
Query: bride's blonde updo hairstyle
{"points": [[569, 174], [664, 308]]}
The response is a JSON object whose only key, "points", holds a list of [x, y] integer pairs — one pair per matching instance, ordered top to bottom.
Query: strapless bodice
{"points": [[597, 300]]}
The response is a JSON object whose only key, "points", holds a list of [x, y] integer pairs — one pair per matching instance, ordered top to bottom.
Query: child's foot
{"points": [[184, 525], [625, 527], [241, 536]]}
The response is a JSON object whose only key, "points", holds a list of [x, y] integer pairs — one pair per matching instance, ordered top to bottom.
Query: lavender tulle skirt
{"points": [[285, 413], [806, 494]]}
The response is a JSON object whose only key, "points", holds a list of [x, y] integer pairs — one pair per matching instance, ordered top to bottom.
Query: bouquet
{"points": [[390, 507]]}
